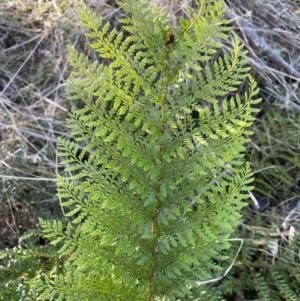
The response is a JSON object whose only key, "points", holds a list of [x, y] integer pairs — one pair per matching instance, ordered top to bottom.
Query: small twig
{"points": [[4, 37], [31, 133], [27, 178], [13, 217], [229, 268]]}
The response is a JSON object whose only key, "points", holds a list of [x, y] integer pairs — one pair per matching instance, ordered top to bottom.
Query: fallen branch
{"points": [[260, 46]]}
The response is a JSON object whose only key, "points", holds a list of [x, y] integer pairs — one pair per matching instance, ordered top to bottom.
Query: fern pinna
{"points": [[155, 193]]}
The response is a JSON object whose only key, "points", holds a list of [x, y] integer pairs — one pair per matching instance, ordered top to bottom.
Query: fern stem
{"points": [[153, 253]]}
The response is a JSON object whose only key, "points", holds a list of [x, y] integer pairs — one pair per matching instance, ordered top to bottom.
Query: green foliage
{"points": [[274, 154], [155, 193], [21, 266], [259, 274]]}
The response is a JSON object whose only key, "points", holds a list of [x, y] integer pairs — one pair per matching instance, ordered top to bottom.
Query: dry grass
{"points": [[277, 23], [34, 68], [33, 73]]}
